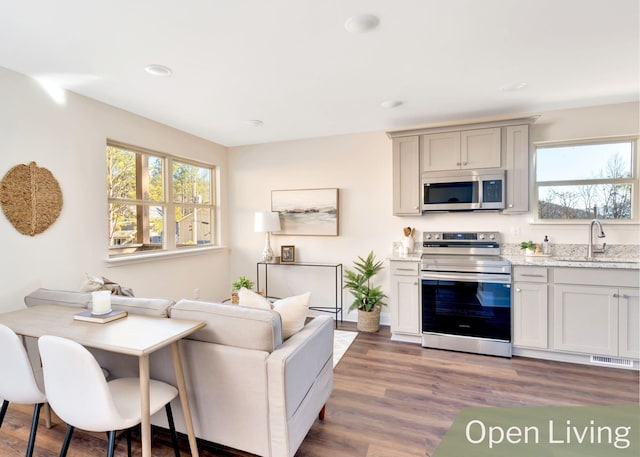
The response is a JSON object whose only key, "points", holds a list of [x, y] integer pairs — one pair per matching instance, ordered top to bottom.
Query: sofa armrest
{"points": [[300, 380]]}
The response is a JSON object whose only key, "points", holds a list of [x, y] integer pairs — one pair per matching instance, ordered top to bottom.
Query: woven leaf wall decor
{"points": [[31, 198]]}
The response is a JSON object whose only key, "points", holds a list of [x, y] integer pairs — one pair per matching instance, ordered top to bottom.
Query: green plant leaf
{"points": [[241, 282], [358, 282]]}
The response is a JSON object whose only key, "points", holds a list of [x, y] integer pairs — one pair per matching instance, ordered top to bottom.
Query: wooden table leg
{"points": [[184, 400], [47, 415], [145, 423]]}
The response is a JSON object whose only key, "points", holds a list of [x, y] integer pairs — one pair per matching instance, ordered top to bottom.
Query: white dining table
{"points": [[135, 335]]}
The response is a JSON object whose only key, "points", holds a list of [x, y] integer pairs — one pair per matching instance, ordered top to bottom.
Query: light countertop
{"points": [[574, 262]]}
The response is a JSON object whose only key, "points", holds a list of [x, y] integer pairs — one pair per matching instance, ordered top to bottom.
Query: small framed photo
{"points": [[287, 254]]}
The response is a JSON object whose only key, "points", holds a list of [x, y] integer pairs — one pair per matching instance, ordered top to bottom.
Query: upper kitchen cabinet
{"points": [[500, 144], [516, 149], [461, 150], [406, 176]]}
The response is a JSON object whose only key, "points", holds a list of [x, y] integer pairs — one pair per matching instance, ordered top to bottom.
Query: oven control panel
{"points": [[461, 236]]}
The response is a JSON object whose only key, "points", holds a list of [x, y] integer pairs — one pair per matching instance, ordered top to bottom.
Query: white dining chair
{"points": [[17, 382], [80, 395]]}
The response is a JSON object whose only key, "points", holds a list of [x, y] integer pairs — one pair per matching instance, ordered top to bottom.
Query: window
{"points": [[586, 180], [145, 200]]}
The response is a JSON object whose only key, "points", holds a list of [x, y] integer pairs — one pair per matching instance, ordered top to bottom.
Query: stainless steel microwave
{"points": [[463, 191]]}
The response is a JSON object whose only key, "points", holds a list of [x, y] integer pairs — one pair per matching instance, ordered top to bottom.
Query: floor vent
{"points": [[612, 361]]}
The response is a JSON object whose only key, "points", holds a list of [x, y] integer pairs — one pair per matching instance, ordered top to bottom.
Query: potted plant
{"points": [[529, 247], [238, 284], [367, 299]]}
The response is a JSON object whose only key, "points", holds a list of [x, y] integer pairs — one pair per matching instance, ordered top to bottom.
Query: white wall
{"points": [[69, 140], [360, 166]]}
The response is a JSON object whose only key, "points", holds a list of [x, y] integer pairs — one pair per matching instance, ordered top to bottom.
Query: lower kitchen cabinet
{"points": [[405, 300], [530, 315], [586, 319], [600, 319], [629, 321]]}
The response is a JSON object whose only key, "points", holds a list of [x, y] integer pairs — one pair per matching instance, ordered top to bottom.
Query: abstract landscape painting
{"points": [[306, 211]]}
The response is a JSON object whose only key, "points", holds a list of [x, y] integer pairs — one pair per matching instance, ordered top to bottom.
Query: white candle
{"points": [[101, 302]]}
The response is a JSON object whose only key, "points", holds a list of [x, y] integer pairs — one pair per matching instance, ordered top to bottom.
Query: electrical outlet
{"points": [[515, 230], [196, 293]]}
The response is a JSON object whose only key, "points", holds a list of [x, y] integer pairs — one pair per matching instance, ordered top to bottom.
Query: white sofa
{"points": [[248, 389]]}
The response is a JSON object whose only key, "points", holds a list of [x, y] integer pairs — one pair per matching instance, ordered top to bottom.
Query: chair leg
{"points": [[3, 411], [34, 429], [172, 429], [67, 440], [129, 442], [112, 444]]}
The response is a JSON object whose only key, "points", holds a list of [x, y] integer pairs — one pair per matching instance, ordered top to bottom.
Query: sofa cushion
{"points": [[58, 297], [251, 299], [158, 307], [293, 312], [232, 325]]}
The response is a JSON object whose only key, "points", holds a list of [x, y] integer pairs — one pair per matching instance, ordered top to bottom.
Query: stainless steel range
{"points": [[466, 293]]}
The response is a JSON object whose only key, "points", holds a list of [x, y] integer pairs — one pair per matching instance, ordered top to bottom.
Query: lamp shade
{"points": [[267, 221]]}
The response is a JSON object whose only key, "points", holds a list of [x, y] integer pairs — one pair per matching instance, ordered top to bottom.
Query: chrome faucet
{"points": [[590, 249]]}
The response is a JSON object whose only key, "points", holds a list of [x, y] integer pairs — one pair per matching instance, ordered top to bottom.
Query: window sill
{"points": [[574, 222], [162, 255]]}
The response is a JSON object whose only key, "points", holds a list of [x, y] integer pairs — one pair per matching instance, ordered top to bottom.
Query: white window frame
{"points": [[634, 180], [170, 246]]}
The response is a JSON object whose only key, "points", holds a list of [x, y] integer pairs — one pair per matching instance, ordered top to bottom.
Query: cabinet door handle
{"points": [[458, 163], [464, 163], [510, 205], [405, 269], [532, 275], [415, 283], [518, 290], [615, 295], [625, 296]]}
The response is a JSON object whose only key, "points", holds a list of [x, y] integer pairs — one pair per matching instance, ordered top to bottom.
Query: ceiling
{"points": [[292, 64]]}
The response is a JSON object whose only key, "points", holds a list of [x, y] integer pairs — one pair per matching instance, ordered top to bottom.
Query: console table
{"points": [[337, 270]]}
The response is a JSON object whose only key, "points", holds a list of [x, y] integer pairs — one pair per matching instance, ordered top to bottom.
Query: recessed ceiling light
{"points": [[361, 23], [158, 70], [515, 86], [389, 104], [255, 123]]}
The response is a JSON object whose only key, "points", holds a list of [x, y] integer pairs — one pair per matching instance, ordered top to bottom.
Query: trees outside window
{"points": [[586, 180], [144, 200]]}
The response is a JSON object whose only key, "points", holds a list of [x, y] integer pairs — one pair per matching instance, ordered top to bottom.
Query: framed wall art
{"points": [[306, 211], [287, 254]]}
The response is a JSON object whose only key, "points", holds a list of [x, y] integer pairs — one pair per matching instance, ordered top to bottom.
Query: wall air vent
{"points": [[612, 361]]}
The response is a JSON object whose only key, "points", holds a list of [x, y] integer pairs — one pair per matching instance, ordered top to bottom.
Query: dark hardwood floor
{"points": [[390, 399]]}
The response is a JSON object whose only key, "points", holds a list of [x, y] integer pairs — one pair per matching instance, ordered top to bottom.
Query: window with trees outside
{"points": [[587, 180], [157, 202]]}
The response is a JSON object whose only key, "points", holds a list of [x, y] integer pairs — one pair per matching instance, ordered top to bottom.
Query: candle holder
{"points": [[100, 302]]}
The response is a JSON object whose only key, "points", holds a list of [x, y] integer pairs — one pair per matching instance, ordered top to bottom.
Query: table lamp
{"points": [[267, 222]]}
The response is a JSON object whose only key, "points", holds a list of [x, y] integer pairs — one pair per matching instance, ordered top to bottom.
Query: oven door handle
{"points": [[467, 277]]}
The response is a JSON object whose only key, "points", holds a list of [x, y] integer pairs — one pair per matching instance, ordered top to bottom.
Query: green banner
{"points": [[581, 431]]}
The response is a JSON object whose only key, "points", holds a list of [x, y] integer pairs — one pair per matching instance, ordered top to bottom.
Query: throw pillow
{"points": [[91, 283], [251, 299], [293, 312]]}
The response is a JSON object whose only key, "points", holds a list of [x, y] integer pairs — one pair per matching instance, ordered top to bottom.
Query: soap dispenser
{"points": [[546, 249]]}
